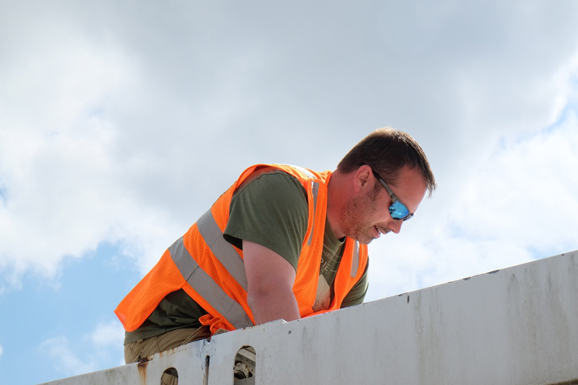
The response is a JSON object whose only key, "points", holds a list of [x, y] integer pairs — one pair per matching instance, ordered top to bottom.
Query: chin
{"points": [[363, 237], [363, 240]]}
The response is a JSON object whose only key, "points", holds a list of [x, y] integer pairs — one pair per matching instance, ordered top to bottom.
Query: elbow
{"points": [[258, 295]]}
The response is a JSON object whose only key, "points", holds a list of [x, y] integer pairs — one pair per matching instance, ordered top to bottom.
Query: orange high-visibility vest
{"points": [[212, 272]]}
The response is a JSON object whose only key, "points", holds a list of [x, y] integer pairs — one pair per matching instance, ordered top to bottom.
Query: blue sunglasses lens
{"points": [[399, 211]]}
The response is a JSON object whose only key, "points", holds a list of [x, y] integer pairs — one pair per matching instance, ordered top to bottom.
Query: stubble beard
{"points": [[353, 218]]}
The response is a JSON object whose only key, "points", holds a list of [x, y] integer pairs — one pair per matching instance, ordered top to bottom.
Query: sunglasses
{"points": [[397, 210]]}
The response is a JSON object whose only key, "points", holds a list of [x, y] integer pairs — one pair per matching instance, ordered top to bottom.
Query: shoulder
{"points": [[272, 184]]}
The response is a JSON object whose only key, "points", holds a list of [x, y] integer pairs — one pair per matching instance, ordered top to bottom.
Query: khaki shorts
{"points": [[135, 351]]}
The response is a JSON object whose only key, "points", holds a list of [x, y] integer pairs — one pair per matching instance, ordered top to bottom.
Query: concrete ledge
{"points": [[518, 325]]}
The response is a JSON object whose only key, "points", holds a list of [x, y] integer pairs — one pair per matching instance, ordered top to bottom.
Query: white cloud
{"points": [[121, 122], [124, 122], [54, 144], [527, 192], [516, 205], [107, 335], [97, 350], [1, 351], [64, 357]]}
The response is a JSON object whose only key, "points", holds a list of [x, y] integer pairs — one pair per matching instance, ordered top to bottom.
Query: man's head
{"points": [[387, 151], [382, 181]]}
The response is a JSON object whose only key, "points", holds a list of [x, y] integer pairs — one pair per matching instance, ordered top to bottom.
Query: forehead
{"points": [[410, 187]]}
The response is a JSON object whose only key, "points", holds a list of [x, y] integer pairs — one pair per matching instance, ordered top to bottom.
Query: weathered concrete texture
{"points": [[513, 326]]}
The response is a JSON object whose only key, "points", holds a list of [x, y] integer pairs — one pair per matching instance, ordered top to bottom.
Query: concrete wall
{"points": [[513, 326]]}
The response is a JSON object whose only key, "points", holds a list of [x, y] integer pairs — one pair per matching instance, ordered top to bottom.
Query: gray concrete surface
{"points": [[514, 326]]}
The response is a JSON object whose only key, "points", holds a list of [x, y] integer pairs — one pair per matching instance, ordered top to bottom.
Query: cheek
{"points": [[378, 208], [353, 212], [368, 212]]}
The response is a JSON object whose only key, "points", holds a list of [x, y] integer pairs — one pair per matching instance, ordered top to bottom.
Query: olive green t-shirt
{"points": [[270, 210]]}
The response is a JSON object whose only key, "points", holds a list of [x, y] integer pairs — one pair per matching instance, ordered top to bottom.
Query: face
{"points": [[366, 216]]}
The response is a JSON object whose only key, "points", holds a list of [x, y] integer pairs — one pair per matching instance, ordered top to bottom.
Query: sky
{"points": [[122, 121]]}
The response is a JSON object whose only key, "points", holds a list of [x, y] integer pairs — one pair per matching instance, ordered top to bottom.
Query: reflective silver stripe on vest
{"points": [[308, 173], [315, 191], [222, 249], [355, 261], [206, 287]]}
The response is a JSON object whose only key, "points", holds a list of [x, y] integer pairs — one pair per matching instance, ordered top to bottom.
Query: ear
{"points": [[362, 178]]}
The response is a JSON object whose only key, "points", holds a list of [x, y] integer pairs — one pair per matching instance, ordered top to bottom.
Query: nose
{"points": [[395, 226]]}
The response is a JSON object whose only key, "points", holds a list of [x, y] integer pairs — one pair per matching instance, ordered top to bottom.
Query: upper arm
{"points": [[271, 211], [266, 270]]}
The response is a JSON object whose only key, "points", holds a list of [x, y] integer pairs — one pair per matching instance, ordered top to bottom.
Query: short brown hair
{"points": [[387, 151]]}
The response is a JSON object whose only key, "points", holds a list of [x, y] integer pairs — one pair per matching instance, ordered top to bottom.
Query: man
{"points": [[282, 243]]}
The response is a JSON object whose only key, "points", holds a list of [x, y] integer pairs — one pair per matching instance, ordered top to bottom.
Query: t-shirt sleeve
{"points": [[271, 211], [357, 293]]}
